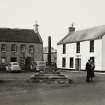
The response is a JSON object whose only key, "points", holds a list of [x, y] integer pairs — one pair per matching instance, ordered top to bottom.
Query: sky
{"points": [[53, 16]]}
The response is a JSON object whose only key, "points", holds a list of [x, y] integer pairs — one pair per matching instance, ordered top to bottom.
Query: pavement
{"points": [[79, 92]]}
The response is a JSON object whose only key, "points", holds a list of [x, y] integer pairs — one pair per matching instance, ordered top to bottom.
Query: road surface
{"points": [[20, 92]]}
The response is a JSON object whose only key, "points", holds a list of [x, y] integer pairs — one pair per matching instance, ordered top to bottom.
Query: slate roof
{"points": [[19, 35], [84, 35]]}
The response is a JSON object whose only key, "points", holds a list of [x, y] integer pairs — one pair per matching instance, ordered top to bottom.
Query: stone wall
{"points": [[37, 55]]}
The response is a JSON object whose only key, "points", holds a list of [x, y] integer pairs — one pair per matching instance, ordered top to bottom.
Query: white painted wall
{"points": [[71, 50], [103, 53], [84, 54], [98, 54], [59, 56]]}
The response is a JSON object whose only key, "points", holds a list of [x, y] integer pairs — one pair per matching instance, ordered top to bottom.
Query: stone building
{"points": [[20, 45], [77, 47]]}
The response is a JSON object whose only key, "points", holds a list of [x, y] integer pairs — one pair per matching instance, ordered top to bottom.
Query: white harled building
{"points": [[74, 50]]}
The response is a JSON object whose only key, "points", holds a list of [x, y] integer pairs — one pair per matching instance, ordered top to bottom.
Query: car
{"points": [[13, 67]]}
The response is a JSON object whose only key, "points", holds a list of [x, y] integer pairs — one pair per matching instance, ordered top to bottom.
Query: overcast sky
{"points": [[53, 16]]}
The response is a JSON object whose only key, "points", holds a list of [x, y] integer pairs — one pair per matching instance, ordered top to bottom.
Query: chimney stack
{"points": [[36, 27], [72, 28]]}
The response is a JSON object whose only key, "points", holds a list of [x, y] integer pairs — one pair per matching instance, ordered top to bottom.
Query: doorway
{"points": [[13, 59], [77, 64]]}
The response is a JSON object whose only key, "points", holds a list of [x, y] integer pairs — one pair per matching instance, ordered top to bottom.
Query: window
{"points": [[91, 45], [3, 47], [13, 47], [78, 47], [22, 48], [64, 48], [31, 49], [63, 62], [71, 62]]}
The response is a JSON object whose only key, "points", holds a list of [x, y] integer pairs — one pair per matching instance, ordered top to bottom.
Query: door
{"points": [[13, 59], [77, 64]]}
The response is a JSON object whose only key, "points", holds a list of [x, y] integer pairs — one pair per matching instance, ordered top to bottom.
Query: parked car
{"points": [[13, 67]]}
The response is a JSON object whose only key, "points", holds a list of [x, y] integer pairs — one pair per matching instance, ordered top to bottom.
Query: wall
{"points": [[37, 52], [70, 52], [103, 53], [84, 54], [59, 56]]}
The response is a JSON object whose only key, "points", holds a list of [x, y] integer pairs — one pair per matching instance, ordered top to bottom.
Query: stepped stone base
{"points": [[50, 76]]}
